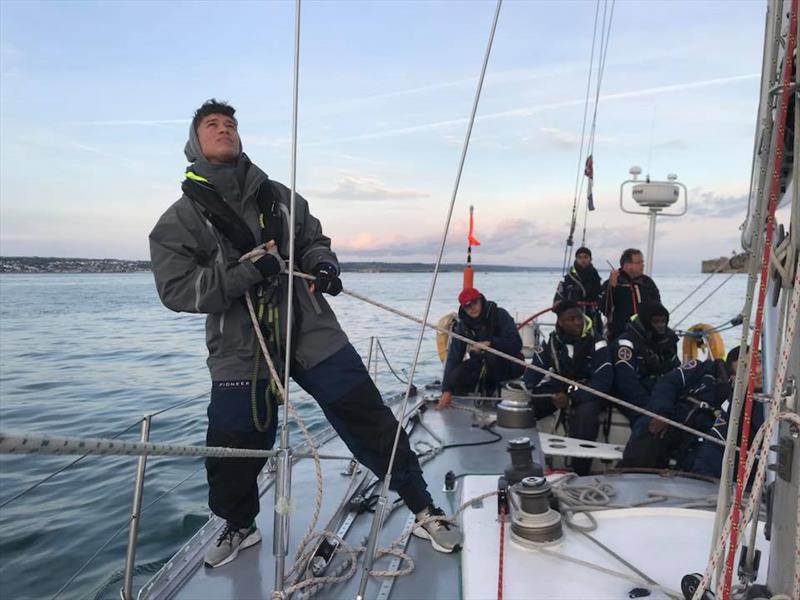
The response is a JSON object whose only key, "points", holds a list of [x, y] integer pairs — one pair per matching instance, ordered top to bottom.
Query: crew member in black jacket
{"points": [[581, 284], [624, 290], [482, 321], [572, 351], [645, 351]]}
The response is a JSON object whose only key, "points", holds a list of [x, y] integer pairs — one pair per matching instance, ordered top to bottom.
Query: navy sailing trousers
{"points": [[351, 403]]}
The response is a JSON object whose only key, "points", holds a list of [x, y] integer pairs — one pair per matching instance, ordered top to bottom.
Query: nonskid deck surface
{"points": [[651, 548], [435, 575]]}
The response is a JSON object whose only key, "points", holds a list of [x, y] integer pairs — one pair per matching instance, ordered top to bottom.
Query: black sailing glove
{"points": [[269, 263], [327, 279]]}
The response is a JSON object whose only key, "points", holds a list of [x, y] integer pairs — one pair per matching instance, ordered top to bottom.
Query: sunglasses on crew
{"points": [[471, 303]]}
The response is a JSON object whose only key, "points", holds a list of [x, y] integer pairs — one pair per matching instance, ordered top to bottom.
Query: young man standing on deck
{"points": [[229, 209], [624, 290]]}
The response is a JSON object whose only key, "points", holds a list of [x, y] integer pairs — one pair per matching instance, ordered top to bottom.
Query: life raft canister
{"points": [[710, 341]]}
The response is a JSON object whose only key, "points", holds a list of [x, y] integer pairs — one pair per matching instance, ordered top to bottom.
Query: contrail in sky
{"points": [[530, 110], [141, 122]]}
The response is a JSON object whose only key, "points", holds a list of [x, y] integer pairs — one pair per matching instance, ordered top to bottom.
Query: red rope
{"points": [[773, 201], [549, 308], [502, 545]]}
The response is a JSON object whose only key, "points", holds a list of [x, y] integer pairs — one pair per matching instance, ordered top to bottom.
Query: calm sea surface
{"points": [[88, 355]]}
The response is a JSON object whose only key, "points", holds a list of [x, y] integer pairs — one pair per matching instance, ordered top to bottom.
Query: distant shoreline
{"points": [[38, 264]]}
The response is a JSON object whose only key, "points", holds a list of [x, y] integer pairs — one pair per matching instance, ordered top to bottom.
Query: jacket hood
{"points": [[192, 148], [229, 179], [648, 310], [648, 335]]}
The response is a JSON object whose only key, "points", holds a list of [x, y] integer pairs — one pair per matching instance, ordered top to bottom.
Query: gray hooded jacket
{"points": [[197, 270]]}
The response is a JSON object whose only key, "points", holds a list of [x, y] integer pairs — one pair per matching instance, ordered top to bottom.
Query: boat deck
{"points": [[435, 575]]}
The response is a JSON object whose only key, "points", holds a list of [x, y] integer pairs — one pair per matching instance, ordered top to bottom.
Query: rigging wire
{"points": [[604, 41], [573, 221], [696, 289], [704, 300], [388, 364], [80, 458], [61, 470], [283, 487], [385, 490], [122, 528]]}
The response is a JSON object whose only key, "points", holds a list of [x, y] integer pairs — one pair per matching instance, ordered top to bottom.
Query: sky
{"points": [[96, 100]]}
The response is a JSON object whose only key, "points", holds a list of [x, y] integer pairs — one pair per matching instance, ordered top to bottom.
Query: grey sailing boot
{"points": [[443, 535], [229, 542]]}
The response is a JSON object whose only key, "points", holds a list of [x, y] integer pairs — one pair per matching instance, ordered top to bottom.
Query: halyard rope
{"points": [[782, 110], [760, 446]]}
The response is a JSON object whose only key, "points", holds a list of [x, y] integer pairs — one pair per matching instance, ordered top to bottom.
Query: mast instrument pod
{"points": [[655, 196]]}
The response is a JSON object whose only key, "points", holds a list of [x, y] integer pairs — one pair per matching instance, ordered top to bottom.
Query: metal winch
{"points": [[514, 411], [522, 464], [533, 520]]}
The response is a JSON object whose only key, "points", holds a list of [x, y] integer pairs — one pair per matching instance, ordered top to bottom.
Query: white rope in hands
{"points": [[309, 533]]}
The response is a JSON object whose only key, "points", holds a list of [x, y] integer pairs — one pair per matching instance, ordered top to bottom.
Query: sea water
{"points": [[89, 354]]}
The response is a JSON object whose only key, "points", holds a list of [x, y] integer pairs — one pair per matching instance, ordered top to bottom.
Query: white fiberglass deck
{"points": [[665, 543], [528, 574]]}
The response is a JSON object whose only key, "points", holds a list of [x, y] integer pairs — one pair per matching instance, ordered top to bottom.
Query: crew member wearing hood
{"points": [[230, 209], [581, 284], [624, 290], [482, 321], [646, 350], [574, 352], [697, 394], [706, 458]]}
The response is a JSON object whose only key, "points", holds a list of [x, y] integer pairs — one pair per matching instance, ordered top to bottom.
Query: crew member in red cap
{"points": [[482, 321]]}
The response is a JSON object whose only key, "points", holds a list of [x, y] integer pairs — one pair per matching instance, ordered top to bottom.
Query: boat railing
{"points": [[375, 354], [126, 593]]}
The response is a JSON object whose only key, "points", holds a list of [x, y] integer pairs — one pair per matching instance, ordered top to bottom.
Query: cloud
{"points": [[498, 78], [532, 110], [561, 138], [675, 144], [66, 146], [352, 187], [713, 205], [518, 237], [370, 245]]}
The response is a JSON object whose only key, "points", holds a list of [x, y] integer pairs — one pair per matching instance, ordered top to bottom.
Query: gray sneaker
{"points": [[443, 535], [230, 541]]}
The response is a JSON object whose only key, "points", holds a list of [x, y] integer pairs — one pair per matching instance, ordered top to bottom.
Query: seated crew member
{"points": [[582, 285], [624, 290], [482, 321], [645, 351], [574, 352], [697, 394], [705, 458]]}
